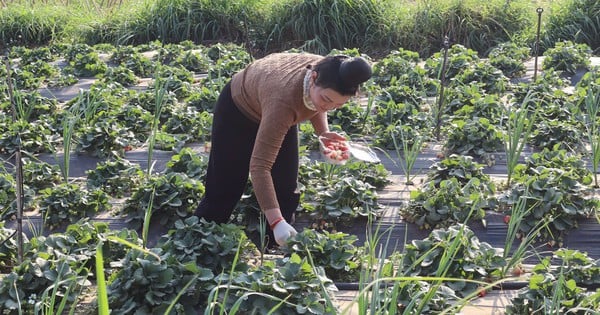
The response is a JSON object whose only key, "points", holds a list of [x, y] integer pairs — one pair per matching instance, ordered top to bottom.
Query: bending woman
{"points": [[255, 131]]}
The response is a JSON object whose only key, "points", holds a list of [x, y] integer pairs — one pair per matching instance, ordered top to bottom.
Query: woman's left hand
{"points": [[333, 136]]}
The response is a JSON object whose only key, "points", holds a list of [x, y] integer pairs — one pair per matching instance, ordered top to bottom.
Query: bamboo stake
{"points": [[537, 43], [438, 118], [18, 168]]}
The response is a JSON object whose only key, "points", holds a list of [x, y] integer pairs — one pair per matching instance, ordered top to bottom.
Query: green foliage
{"points": [[574, 20], [19, 25], [322, 25], [478, 25], [567, 56], [130, 58], [509, 58], [231, 59], [459, 59], [86, 64], [399, 67], [121, 75], [491, 79], [471, 101], [349, 118], [397, 135], [559, 135], [32, 137], [477, 137], [104, 139], [188, 162], [463, 168], [40, 175], [115, 177], [335, 195], [552, 195], [170, 197], [67, 203], [447, 203], [208, 244], [8, 248], [335, 252], [472, 259], [32, 284], [148, 285], [284, 286], [557, 290]]}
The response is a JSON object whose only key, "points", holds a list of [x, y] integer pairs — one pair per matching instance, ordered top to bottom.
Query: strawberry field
{"points": [[106, 146]]}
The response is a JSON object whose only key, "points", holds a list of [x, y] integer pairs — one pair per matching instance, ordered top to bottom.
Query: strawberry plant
{"points": [[32, 55], [567, 56], [130, 58], [459, 58], [509, 58], [227, 60], [193, 61], [86, 65], [401, 68], [41, 69], [121, 75], [489, 77], [25, 80], [176, 80], [203, 98], [472, 101], [31, 106], [349, 118], [136, 120], [188, 121], [556, 134], [33, 137], [477, 137], [103, 139], [556, 159], [188, 162], [463, 168], [116, 177], [553, 195], [170, 197], [344, 200], [8, 201], [67, 203], [447, 203], [208, 244], [8, 248], [335, 252], [473, 260], [148, 285], [29, 286], [284, 286], [555, 286], [418, 296]]}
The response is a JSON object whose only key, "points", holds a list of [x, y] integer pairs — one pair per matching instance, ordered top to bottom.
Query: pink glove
{"points": [[282, 231]]}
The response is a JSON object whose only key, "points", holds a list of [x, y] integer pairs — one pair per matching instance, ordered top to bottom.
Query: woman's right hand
{"points": [[282, 231]]}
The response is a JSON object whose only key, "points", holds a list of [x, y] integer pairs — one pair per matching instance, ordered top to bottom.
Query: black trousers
{"points": [[232, 141]]}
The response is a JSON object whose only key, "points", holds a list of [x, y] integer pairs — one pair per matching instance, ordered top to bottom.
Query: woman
{"points": [[255, 131]]}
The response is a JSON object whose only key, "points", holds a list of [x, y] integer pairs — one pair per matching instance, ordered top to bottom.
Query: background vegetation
{"points": [[262, 26]]}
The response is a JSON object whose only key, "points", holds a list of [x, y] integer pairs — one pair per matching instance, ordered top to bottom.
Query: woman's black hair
{"points": [[342, 73]]}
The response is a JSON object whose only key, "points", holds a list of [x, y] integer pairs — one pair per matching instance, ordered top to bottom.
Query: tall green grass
{"points": [[23, 25], [322, 25], [374, 26], [519, 127]]}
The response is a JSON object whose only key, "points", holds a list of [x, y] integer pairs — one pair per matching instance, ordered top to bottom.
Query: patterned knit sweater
{"points": [[270, 92]]}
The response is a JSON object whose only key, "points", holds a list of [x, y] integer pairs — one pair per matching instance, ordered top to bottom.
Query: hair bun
{"points": [[354, 71]]}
